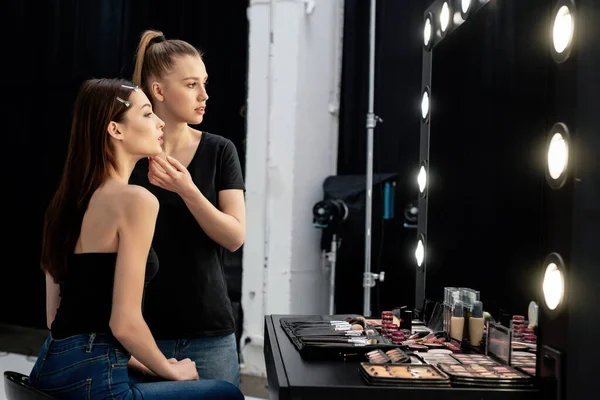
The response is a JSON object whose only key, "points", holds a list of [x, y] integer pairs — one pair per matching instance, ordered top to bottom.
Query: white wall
{"points": [[293, 99]]}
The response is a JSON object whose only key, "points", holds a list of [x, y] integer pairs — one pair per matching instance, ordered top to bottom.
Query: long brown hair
{"points": [[155, 56], [89, 158]]}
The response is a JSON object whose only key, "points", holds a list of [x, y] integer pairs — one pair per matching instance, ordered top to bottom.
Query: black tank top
{"points": [[86, 293]]}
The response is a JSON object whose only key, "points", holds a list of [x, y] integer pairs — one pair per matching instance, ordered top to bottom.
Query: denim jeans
{"points": [[216, 357], [94, 366]]}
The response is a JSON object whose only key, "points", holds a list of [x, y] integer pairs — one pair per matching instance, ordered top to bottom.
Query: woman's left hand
{"points": [[169, 174]]}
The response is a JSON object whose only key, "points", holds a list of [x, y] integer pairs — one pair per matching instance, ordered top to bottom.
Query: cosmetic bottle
{"points": [[457, 321], [476, 324]]}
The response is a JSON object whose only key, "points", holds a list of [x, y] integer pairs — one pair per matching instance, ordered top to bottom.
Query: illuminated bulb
{"points": [[465, 4], [445, 16], [427, 31], [562, 32], [425, 105], [558, 156], [422, 179], [420, 253], [553, 286]]}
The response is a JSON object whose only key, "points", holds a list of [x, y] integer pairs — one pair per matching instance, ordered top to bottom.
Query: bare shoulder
{"points": [[137, 201]]}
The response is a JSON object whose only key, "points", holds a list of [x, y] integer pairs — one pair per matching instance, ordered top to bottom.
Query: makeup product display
{"points": [[455, 298], [457, 321], [476, 324], [334, 339], [394, 356], [377, 357], [434, 358], [475, 359], [524, 360], [403, 375], [486, 375]]}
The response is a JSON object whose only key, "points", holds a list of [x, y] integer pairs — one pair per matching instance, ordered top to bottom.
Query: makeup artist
{"points": [[199, 184]]}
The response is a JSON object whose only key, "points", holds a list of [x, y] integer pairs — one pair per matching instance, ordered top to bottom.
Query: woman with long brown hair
{"points": [[97, 257]]}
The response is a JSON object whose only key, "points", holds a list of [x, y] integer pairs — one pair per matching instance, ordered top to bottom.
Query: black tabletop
{"points": [[290, 376]]}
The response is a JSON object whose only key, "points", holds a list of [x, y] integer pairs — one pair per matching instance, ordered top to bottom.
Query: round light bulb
{"points": [[465, 4], [445, 16], [427, 31], [562, 32], [425, 105], [558, 156], [422, 179], [420, 253], [553, 286]]}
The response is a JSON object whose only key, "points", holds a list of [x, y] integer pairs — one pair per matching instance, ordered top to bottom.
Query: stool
{"points": [[17, 387]]}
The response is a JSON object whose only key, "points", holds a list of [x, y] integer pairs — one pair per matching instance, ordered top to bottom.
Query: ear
{"points": [[157, 91], [113, 130]]}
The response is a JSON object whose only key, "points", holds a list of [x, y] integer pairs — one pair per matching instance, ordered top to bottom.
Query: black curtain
{"points": [[49, 48], [396, 143]]}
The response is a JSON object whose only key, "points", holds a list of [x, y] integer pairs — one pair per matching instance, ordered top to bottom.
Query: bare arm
{"points": [[52, 299], [127, 323]]}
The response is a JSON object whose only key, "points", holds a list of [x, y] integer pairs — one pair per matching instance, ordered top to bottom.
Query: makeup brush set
{"points": [[347, 337]]}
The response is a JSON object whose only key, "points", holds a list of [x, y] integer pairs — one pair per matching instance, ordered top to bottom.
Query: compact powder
{"points": [[412, 372], [494, 372]]}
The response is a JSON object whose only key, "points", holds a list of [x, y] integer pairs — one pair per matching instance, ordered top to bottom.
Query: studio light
{"points": [[465, 5], [465, 8], [445, 17], [563, 29], [427, 31], [425, 105], [557, 157], [422, 179], [420, 252], [553, 286]]}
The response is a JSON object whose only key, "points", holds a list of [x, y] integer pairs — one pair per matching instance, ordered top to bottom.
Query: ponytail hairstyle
{"points": [[156, 55]]}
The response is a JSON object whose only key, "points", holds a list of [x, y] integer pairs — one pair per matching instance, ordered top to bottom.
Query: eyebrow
{"points": [[195, 78], [146, 105]]}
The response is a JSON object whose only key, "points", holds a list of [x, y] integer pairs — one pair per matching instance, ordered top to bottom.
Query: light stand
{"points": [[328, 215], [369, 278]]}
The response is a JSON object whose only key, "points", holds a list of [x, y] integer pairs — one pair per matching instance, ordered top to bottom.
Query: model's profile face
{"points": [[184, 89], [141, 129]]}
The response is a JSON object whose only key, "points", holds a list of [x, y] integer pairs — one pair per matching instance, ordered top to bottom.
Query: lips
{"points": [[200, 110]]}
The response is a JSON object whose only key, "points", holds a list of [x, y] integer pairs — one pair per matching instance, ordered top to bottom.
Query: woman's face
{"points": [[184, 90], [141, 128]]}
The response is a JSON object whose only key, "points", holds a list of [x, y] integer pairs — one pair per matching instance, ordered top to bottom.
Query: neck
{"points": [[177, 134], [125, 164]]}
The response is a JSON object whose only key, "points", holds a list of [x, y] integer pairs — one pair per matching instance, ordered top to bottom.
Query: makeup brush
{"points": [[339, 340]]}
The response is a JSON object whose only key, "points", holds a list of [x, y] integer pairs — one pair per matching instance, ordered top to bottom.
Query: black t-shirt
{"points": [[188, 297]]}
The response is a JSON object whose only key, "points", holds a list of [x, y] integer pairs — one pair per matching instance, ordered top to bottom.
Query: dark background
{"points": [[49, 48], [488, 128]]}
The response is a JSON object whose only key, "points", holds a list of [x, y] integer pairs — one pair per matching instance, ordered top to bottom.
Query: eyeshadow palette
{"points": [[394, 356], [437, 358], [469, 359], [523, 359], [403, 374], [486, 375]]}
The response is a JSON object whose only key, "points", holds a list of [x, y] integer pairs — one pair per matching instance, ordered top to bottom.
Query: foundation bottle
{"points": [[457, 321], [476, 324]]}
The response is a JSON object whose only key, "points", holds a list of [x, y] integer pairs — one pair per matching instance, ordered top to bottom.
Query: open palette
{"points": [[403, 375], [486, 375]]}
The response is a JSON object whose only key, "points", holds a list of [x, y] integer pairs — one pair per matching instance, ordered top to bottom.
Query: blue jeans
{"points": [[216, 357], [90, 366]]}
